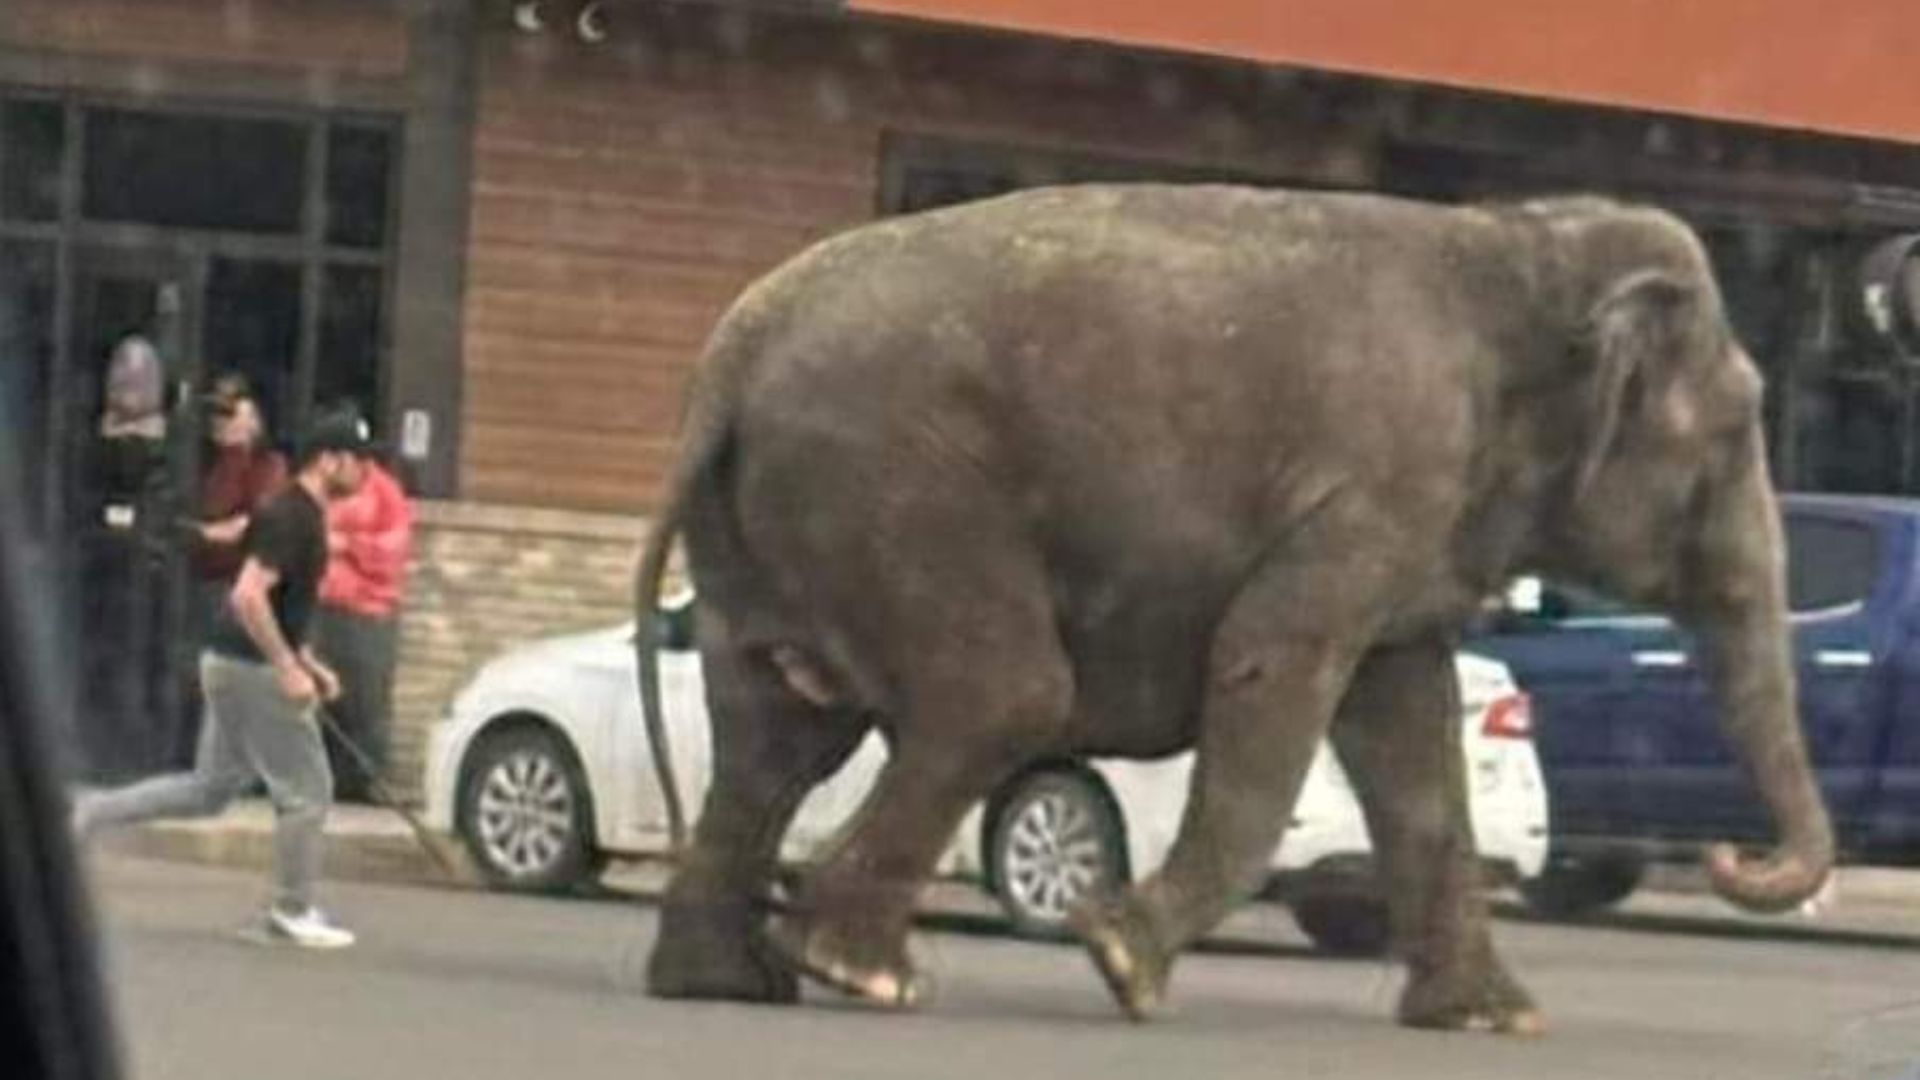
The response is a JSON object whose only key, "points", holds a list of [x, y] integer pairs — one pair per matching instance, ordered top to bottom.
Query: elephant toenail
{"points": [[1528, 1023]]}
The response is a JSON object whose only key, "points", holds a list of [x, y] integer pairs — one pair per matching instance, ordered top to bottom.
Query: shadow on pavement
{"points": [[1728, 927]]}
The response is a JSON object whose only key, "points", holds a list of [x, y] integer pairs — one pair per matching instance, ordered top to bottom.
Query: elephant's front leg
{"points": [[1273, 684], [1398, 736]]}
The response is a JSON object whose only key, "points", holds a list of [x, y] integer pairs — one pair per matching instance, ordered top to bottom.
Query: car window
{"points": [[1830, 563], [1577, 602], [675, 622]]}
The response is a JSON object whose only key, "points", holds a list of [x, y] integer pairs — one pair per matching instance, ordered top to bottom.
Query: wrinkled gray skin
{"points": [[1127, 470]]}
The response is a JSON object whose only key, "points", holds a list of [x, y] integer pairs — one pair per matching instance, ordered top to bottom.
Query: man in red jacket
{"points": [[369, 540]]}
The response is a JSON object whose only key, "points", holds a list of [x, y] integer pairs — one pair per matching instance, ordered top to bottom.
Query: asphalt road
{"points": [[468, 986]]}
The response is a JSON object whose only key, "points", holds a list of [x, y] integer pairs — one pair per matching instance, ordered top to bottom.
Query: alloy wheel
{"points": [[525, 814], [1055, 852]]}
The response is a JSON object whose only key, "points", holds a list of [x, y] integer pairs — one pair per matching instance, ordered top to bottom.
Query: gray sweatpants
{"points": [[249, 728]]}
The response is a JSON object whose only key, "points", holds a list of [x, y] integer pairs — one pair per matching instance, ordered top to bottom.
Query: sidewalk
{"points": [[366, 843]]}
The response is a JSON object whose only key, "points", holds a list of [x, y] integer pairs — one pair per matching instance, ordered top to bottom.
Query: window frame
{"points": [[71, 231], [1876, 562]]}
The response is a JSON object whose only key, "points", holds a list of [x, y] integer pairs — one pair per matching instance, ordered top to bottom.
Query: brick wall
{"points": [[486, 578]]}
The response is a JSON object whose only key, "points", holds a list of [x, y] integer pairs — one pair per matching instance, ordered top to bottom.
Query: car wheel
{"points": [[526, 812], [1057, 840], [1571, 886], [1344, 924]]}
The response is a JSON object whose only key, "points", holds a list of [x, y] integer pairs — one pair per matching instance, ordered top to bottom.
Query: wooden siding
{"points": [[351, 37], [624, 194]]}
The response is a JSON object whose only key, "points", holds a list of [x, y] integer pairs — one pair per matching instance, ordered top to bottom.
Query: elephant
{"points": [[1124, 470]]}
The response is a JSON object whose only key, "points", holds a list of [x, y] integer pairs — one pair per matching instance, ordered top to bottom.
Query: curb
{"points": [[364, 844], [371, 844]]}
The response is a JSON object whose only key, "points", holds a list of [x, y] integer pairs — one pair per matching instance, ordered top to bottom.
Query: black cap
{"points": [[343, 432]]}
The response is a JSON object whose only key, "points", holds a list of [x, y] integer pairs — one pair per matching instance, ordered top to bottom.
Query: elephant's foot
{"points": [[716, 951], [1126, 953], [833, 960], [1470, 997]]}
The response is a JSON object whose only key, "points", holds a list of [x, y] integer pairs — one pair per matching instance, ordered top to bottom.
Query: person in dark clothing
{"points": [[124, 544], [262, 687]]}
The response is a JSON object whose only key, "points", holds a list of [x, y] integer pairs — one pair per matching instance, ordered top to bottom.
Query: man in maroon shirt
{"points": [[239, 476]]}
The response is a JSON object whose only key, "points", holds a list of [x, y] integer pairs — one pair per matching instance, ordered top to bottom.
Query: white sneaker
{"points": [[80, 812], [310, 929]]}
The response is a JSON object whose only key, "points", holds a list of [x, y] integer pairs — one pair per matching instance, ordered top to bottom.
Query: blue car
{"points": [[1636, 767]]}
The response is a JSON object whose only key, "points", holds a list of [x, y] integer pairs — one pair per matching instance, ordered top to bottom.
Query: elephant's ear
{"points": [[1636, 334]]}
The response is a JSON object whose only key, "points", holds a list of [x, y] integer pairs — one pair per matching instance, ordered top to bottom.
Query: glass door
{"points": [[29, 276], [129, 485]]}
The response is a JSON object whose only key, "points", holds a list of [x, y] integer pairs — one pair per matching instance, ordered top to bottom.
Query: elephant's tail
{"points": [[701, 443]]}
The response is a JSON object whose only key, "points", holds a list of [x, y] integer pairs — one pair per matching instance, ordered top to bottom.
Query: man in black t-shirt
{"points": [[262, 684]]}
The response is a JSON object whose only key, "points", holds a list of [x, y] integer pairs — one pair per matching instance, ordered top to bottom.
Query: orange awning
{"points": [[1843, 66]]}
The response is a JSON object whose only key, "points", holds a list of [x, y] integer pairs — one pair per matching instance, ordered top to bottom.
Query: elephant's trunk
{"points": [[1737, 607]]}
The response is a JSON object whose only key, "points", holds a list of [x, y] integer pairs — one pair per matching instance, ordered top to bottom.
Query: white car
{"points": [[544, 768]]}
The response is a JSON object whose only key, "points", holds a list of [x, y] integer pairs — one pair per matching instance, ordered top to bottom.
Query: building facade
{"points": [[505, 228]]}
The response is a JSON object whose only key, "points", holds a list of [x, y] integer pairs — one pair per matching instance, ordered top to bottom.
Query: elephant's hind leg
{"points": [[982, 686], [1398, 736], [770, 748]]}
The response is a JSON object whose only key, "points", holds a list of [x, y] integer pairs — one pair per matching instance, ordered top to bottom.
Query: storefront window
{"points": [[33, 134], [359, 163], [194, 172], [926, 172], [277, 262], [27, 277], [253, 327], [348, 369], [1856, 432]]}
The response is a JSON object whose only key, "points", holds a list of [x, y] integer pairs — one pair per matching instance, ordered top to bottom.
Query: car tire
{"points": [[526, 813], [1056, 839], [1572, 886], [1344, 924]]}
